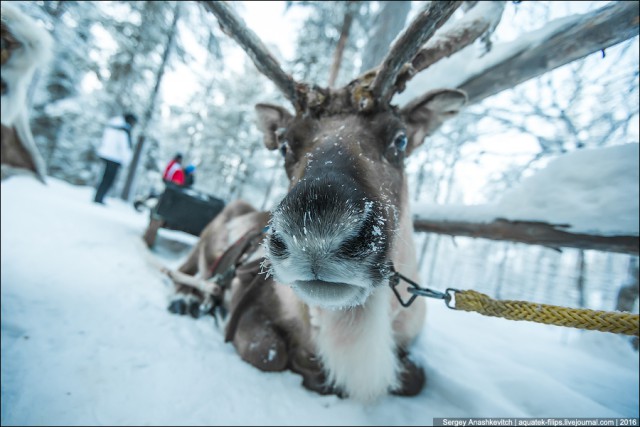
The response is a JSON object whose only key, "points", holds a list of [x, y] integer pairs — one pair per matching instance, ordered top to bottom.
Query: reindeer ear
{"points": [[425, 114], [270, 119]]}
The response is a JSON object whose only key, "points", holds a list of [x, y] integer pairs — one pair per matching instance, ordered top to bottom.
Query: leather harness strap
{"points": [[227, 262], [233, 263], [251, 281]]}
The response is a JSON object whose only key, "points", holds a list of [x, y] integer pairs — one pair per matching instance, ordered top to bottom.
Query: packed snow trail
{"points": [[87, 340]]}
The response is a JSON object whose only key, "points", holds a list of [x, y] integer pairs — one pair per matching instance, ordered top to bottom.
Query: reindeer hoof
{"points": [[186, 304], [178, 306], [194, 310], [313, 377], [412, 378]]}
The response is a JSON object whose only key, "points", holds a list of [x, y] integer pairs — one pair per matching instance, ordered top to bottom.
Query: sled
{"points": [[182, 209]]}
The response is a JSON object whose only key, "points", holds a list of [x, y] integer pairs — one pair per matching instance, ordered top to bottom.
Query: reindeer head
{"points": [[333, 234], [332, 237]]}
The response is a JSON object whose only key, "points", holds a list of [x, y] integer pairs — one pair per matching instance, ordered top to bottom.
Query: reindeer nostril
{"points": [[365, 242], [277, 246], [353, 248]]}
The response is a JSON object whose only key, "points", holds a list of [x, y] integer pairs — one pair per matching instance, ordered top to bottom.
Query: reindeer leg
{"points": [[190, 286], [193, 295], [186, 300], [252, 323], [259, 342], [313, 377], [412, 377]]}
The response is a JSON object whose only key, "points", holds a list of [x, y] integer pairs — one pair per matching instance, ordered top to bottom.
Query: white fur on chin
{"points": [[357, 347]]}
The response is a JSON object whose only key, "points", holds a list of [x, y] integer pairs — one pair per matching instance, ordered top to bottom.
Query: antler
{"points": [[432, 17], [481, 18], [477, 21], [413, 51], [266, 63]]}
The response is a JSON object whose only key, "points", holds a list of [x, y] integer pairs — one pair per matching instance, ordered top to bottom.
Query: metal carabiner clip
{"points": [[415, 290]]}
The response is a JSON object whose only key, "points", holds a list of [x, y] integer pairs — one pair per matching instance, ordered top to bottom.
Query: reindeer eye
{"points": [[400, 141], [284, 146], [395, 152], [277, 246]]}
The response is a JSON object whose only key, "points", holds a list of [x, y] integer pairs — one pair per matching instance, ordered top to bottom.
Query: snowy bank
{"points": [[592, 191], [87, 340]]}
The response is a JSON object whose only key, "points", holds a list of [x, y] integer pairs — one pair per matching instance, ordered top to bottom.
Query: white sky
{"points": [[267, 19], [274, 27]]}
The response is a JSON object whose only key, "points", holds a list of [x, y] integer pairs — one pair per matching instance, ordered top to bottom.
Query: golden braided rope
{"points": [[605, 321]]}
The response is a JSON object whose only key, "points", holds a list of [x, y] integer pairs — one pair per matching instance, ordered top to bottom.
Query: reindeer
{"points": [[25, 47], [327, 310]]}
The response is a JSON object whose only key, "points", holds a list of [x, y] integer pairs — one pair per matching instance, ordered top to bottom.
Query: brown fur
{"points": [[25, 46], [12, 150], [345, 167], [214, 239], [270, 327]]}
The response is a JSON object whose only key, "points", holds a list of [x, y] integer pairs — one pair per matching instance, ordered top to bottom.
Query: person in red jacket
{"points": [[174, 172]]}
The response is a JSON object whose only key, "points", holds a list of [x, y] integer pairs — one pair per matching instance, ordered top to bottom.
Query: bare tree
{"points": [[387, 23], [342, 41], [151, 106]]}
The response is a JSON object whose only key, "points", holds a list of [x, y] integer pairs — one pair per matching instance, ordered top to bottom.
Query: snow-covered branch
{"points": [[480, 19], [559, 43], [587, 199], [530, 232]]}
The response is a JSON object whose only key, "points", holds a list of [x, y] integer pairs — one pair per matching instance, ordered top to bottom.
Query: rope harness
{"points": [[605, 321]]}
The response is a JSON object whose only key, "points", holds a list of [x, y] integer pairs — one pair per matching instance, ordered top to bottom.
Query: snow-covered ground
{"points": [[87, 339]]}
